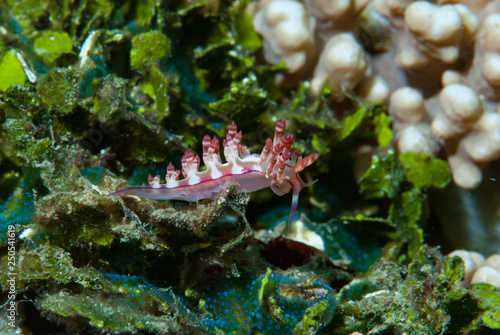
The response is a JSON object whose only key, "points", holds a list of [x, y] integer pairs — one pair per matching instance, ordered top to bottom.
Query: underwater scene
{"points": [[249, 167]]}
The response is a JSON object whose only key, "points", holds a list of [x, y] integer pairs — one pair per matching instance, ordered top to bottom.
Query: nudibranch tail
{"points": [[277, 166]]}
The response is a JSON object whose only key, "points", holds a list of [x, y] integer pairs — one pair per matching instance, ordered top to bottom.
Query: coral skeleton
{"points": [[277, 166]]}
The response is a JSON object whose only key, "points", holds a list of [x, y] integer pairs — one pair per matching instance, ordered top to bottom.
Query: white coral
{"points": [[477, 6], [393, 10], [336, 14], [288, 33], [434, 34], [432, 45], [342, 64], [486, 68], [373, 88], [411, 122], [470, 136]]}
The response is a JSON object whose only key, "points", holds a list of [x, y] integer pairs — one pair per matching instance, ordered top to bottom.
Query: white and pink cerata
{"points": [[277, 166]]}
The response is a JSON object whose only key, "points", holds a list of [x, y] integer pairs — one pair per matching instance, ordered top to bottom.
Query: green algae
{"points": [[145, 11], [26, 12], [246, 36], [50, 45], [148, 49], [218, 65], [11, 71], [155, 86], [59, 90], [110, 98], [244, 100], [309, 109], [366, 112], [352, 122], [17, 131], [383, 132], [20, 133], [144, 142], [319, 144], [37, 148], [423, 171], [386, 174], [382, 178], [407, 211], [263, 285], [419, 299], [121, 303], [489, 305], [111, 314], [315, 317]]}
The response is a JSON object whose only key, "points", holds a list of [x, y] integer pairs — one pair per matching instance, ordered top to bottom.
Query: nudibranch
{"points": [[277, 166]]}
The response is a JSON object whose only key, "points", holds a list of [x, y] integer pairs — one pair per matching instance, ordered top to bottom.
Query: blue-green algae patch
{"points": [[269, 304]]}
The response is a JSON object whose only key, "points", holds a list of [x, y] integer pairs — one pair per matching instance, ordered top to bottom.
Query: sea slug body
{"points": [[277, 166]]}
